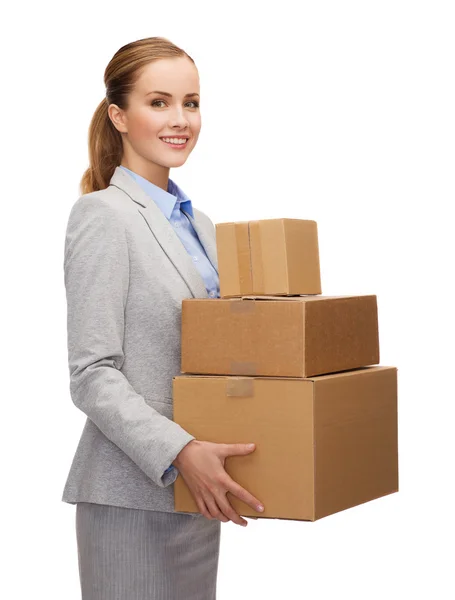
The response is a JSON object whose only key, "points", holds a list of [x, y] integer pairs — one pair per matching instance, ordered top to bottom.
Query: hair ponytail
{"points": [[105, 150]]}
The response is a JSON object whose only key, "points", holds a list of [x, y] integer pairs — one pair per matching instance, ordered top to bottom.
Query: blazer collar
{"points": [[165, 234]]}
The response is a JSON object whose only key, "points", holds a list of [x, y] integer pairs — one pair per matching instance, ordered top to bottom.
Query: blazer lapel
{"points": [[165, 234], [206, 240]]}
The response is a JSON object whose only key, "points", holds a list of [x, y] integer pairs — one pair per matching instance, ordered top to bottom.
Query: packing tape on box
{"points": [[243, 252], [256, 257], [250, 264], [242, 306], [243, 368], [239, 387]]}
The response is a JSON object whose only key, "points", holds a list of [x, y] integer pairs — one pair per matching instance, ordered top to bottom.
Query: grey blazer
{"points": [[126, 274]]}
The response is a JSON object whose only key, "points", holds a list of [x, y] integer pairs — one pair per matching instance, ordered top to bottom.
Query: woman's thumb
{"points": [[240, 448]]}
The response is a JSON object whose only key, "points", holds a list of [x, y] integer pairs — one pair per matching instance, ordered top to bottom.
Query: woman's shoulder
{"points": [[107, 200], [202, 217]]}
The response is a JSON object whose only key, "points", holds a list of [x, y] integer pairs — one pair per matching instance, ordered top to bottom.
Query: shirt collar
{"points": [[166, 201]]}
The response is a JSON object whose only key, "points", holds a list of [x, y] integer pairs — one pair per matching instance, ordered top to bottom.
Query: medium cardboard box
{"points": [[271, 256], [294, 336], [323, 444]]}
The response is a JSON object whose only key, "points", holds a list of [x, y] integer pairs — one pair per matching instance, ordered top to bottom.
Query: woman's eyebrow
{"points": [[170, 95]]}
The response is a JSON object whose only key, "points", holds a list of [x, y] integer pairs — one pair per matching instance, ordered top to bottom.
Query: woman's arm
{"points": [[96, 268]]}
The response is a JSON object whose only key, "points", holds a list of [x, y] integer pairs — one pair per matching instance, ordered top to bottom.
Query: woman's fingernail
{"points": [[260, 508]]}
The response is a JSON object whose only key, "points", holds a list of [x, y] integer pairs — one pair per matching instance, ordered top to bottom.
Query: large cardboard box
{"points": [[271, 257], [294, 336], [323, 444]]}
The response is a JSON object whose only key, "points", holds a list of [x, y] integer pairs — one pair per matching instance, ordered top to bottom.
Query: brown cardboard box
{"points": [[271, 256], [294, 336], [323, 444]]}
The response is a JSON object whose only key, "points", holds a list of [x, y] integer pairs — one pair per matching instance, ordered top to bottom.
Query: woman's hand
{"points": [[201, 465]]}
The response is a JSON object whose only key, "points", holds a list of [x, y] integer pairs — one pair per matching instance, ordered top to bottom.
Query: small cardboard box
{"points": [[271, 256], [294, 336], [323, 444]]}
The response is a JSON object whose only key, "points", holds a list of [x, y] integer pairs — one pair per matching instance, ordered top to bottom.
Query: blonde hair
{"points": [[104, 140]]}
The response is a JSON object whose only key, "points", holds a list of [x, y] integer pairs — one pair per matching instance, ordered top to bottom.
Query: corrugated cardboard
{"points": [[271, 256], [293, 336], [323, 444]]}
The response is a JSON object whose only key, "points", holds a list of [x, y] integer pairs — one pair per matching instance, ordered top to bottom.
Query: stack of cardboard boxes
{"points": [[274, 362]]}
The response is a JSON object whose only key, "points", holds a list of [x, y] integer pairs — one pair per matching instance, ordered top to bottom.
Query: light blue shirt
{"points": [[172, 204]]}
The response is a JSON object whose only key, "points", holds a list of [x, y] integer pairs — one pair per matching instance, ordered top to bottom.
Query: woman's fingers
{"points": [[243, 494], [214, 508], [228, 510]]}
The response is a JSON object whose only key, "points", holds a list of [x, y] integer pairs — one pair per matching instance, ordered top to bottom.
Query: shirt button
{"points": [[195, 258], [212, 294]]}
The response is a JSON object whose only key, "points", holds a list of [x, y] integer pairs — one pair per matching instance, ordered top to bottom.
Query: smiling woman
{"points": [[135, 247]]}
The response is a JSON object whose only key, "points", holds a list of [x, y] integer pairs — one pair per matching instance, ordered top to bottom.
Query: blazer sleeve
{"points": [[96, 271]]}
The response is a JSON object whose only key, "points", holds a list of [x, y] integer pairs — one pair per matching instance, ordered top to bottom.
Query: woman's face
{"points": [[164, 103]]}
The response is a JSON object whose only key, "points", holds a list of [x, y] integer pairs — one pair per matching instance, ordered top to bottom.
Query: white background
{"points": [[341, 112]]}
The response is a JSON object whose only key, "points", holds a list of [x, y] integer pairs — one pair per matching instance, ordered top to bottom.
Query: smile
{"points": [[178, 143]]}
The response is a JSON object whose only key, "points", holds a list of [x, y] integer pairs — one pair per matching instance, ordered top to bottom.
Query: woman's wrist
{"points": [[178, 459]]}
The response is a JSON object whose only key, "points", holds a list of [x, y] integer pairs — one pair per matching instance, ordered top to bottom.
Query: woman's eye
{"points": [[196, 104]]}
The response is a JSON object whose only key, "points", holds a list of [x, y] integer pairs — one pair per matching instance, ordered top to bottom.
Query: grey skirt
{"points": [[132, 554]]}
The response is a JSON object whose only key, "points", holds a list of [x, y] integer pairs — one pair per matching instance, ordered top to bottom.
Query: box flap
{"points": [[301, 297], [315, 378]]}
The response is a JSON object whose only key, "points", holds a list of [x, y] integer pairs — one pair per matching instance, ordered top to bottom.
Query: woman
{"points": [[135, 247]]}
